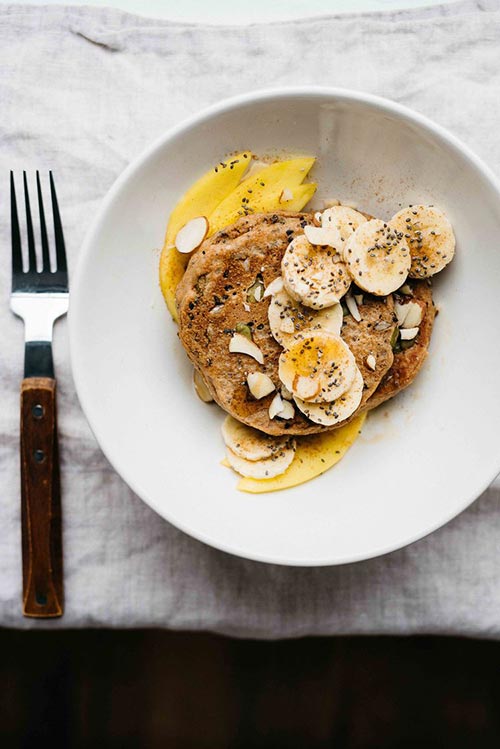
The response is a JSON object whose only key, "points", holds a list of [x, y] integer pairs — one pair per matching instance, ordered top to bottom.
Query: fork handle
{"points": [[40, 500]]}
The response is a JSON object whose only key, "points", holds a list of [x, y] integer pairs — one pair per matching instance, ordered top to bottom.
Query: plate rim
{"points": [[258, 96]]}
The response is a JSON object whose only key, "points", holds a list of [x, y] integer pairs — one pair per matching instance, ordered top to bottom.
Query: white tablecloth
{"points": [[83, 91]]}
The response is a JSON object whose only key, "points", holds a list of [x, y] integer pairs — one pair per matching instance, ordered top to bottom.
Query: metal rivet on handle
{"points": [[37, 411], [39, 456]]}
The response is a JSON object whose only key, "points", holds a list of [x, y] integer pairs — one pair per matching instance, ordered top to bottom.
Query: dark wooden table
{"points": [[151, 689]]}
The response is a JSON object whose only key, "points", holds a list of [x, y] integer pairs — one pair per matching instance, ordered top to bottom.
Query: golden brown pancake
{"points": [[214, 300], [407, 363]]}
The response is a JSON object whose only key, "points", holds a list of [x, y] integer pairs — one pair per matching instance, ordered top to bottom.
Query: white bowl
{"points": [[421, 459]]}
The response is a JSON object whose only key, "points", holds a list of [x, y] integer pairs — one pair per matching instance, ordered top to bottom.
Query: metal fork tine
{"points": [[29, 227], [43, 227], [58, 232], [17, 257], [39, 297]]}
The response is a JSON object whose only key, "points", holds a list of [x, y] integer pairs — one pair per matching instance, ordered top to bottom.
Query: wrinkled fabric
{"points": [[82, 92]]}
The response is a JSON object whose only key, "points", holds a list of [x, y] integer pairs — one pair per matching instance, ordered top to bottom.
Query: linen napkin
{"points": [[83, 91]]}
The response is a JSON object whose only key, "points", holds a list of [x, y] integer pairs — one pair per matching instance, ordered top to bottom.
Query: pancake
{"points": [[215, 297], [372, 335], [407, 363]]}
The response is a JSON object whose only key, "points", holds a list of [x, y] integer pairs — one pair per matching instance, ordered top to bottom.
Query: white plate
{"points": [[421, 460]]}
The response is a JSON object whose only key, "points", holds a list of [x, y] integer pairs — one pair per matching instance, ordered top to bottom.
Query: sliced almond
{"points": [[255, 166], [286, 196], [191, 235], [319, 235], [274, 287], [406, 290], [255, 292], [258, 293], [359, 299], [352, 307], [401, 310], [409, 315], [413, 316], [408, 334], [239, 344], [371, 362], [259, 384], [305, 387], [201, 388], [285, 393], [276, 406], [288, 411]]}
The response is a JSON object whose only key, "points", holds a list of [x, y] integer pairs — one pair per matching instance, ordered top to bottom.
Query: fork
{"points": [[39, 297]]}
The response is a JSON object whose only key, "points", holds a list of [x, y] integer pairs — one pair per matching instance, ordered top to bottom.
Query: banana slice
{"points": [[345, 220], [429, 236], [378, 257], [314, 275], [287, 317], [317, 367], [329, 414], [249, 443], [267, 468]]}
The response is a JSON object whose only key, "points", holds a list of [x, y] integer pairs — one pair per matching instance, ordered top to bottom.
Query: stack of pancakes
{"points": [[213, 301]]}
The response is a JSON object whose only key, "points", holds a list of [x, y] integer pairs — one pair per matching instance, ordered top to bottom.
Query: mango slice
{"points": [[261, 192], [205, 195], [301, 196], [200, 200], [229, 200], [172, 267], [315, 454]]}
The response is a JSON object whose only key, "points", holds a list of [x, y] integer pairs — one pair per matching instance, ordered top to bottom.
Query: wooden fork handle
{"points": [[40, 500]]}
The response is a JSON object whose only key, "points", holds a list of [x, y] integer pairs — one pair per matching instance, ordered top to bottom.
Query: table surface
{"points": [[241, 11]]}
